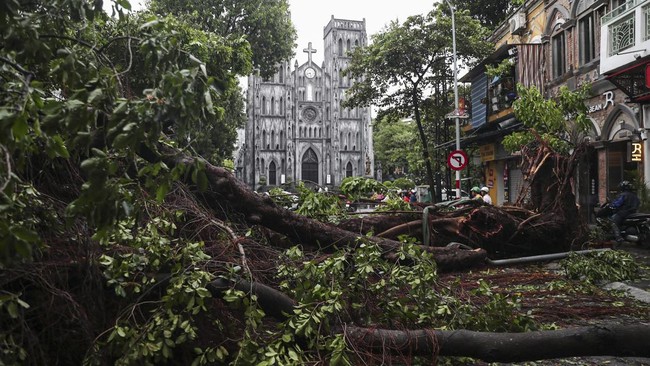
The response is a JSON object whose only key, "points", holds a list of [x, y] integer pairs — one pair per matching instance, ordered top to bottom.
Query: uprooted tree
{"points": [[119, 246]]}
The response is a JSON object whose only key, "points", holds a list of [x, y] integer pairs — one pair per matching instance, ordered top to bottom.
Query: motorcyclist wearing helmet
{"points": [[476, 193], [485, 196], [625, 204]]}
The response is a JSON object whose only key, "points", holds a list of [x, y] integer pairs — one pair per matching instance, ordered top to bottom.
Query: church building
{"points": [[297, 129]]}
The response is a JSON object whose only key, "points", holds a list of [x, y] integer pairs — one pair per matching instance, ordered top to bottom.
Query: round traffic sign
{"points": [[457, 160]]}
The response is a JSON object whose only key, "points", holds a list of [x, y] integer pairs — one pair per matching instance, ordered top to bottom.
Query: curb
{"points": [[632, 291]]}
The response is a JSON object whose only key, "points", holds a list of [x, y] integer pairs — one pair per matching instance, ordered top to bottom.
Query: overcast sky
{"points": [[310, 17]]}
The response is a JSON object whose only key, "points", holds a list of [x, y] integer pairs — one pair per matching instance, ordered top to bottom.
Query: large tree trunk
{"points": [[226, 190], [615, 340]]}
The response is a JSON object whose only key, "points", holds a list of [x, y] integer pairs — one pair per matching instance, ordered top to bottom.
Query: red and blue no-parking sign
{"points": [[457, 160]]}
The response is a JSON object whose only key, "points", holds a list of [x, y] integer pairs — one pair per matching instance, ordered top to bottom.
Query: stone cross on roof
{"points": [[309, 51]]}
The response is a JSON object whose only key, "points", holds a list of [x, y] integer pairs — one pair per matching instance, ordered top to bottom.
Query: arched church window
{"points": [[356, 43], [348, 45], [340, 48], [281, 74], [263, 105], [272, 105], [281, 109], [272, 138], [357, 139], [349, 140], [264, 146], [310, 166], [348, 170], [272, 174]]}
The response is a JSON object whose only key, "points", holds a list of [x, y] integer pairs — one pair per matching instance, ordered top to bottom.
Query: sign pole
{"points": [[456, 112]]}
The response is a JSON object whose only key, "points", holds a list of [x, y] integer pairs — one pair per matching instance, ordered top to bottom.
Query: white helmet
{"points": [[485, 189]]}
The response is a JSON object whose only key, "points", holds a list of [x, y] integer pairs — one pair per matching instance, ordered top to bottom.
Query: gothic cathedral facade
{"points": [[297, 129]]}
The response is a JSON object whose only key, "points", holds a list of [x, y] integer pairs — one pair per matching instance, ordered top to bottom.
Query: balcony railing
{"points": [[629, 5], [621, 35], [625, 35]]}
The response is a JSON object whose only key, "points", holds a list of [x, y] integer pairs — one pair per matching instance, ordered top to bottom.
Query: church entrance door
{"points": [[310, 166]]}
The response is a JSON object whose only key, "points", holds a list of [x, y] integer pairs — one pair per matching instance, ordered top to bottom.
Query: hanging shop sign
{"points": [[635, 151], [487, 152]]}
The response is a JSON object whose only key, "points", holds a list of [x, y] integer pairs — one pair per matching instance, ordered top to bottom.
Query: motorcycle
{"points": [[635, 228]]}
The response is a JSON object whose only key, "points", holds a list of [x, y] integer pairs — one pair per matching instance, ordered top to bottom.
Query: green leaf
{"points": [[124, 3], [149, 24], [195, 60], [95, 96], [208, 101], [121, 108], [20, 127], [58, 147], [202, 180], [161, 192], [25, 234], [22, 303], [12, 309], [293, 355]]}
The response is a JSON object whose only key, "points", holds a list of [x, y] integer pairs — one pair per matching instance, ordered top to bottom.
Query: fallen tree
{"points": [[120, 245]]}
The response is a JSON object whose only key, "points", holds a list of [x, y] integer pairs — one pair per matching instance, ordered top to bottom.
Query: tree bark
{"points": [[614, 340]]}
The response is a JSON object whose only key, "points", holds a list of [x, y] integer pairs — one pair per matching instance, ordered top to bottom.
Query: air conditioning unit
{"points": [[518, 23]]}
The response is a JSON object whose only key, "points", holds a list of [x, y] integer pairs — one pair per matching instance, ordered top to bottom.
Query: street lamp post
{"points": [[456, 111]]}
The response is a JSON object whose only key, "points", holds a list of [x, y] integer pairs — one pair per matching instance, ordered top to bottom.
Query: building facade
{"points": [[569, 43], [297, 128]]}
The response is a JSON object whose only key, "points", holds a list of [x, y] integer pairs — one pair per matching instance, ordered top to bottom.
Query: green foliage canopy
{"points": [[266, 25], [405, 61], [398, 68], [64, 96], [558, 122], [396, 145]]}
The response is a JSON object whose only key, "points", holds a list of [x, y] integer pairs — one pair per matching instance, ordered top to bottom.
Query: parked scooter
{"points": [[634, 229]]}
